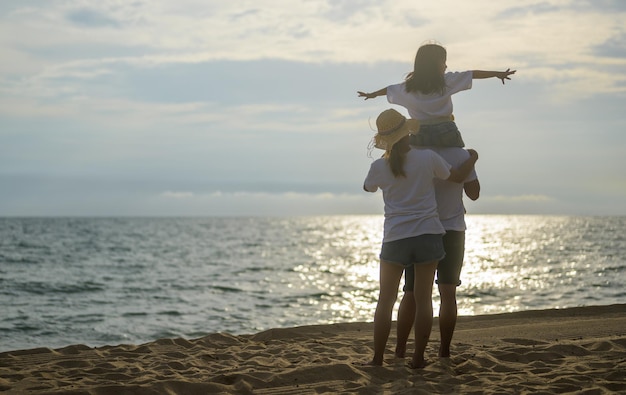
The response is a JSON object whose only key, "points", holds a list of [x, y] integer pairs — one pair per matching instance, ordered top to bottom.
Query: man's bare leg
{"points": [[424, 277], [406, 317], [447, 317]]}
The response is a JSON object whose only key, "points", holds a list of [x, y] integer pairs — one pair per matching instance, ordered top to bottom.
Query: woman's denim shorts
{"points": [[413, 250]]}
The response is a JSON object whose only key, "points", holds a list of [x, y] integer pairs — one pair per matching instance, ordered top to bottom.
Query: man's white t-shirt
{"points": [[435, 105], [449, 195], [410, 202]]}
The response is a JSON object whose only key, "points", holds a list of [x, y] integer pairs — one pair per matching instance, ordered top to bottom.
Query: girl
{"points": [[426, 94], [412, 231]]}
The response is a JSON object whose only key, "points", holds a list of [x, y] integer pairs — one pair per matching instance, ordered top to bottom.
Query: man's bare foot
{"points": [[400, 351], [444, 353], [370, 363], [417, 363]]}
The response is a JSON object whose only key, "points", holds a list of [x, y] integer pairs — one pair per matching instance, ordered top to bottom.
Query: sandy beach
{"points": [[576, 350]]}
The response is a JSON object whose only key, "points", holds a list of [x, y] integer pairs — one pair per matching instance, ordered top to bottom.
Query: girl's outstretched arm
{"points": [[503, 75], [380, 92]]}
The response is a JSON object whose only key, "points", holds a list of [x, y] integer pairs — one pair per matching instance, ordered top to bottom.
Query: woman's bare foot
{"points": [[444, 352]]}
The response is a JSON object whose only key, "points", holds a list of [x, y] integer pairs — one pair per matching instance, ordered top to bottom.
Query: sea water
{"points": [[98, 281]]}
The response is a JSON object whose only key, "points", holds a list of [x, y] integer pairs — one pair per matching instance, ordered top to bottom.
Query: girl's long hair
{"points": [[426, 76], [395, 158]]}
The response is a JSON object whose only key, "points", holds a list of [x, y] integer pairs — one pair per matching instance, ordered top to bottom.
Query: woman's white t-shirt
{"points": [[435, 105], [410, 204]]}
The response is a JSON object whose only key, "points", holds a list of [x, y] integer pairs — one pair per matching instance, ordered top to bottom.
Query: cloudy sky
{"points": [[206, 107]]}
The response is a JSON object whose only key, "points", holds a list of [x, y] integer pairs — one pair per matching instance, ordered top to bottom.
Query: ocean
{"points": [[109, 281]]}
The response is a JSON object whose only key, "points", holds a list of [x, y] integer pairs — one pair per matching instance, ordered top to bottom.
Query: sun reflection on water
{"points": [[507, 257], [511, 263], [343, 264], [247, 274]]}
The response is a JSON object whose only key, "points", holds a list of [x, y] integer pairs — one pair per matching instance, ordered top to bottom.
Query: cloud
{"points": [[606, 6], [343, 10], [530, 10], [91, 18], [613, 47], [193, 50], [193, 97], [177, 195], [520, 198], [264, 204]]}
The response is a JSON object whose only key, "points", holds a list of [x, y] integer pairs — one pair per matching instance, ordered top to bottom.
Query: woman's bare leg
{"points": [[390, 275]]}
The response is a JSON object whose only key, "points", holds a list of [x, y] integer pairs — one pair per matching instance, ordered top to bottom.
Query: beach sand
{"points": [[576, 350]]}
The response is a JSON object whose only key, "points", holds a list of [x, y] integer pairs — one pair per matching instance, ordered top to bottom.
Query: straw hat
{"points": [[392, 126]]}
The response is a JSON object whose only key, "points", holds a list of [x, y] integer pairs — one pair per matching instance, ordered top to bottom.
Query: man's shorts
{"points": [[449, 268]]}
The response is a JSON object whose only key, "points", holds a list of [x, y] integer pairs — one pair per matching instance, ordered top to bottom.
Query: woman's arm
{"points": [[482, 74], [380, 92]]}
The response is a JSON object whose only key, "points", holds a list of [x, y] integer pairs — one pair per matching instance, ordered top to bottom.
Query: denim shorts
{"points": [[444, 134], [413, 250], [449, 268]]}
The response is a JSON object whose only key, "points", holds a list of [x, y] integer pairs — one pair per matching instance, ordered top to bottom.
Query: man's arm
{"points": [[502, 75], [459, 174], [472, 189]]}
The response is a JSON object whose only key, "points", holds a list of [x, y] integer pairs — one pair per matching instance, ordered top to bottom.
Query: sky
{"points": [[214, 108]]}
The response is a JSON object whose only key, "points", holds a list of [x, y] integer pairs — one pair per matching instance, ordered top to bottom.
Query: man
{"points": [[449, 197]]}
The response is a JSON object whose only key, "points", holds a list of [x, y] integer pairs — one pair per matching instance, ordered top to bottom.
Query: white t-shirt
{"points": [[424, 107], [450, 194], [410, 203]]}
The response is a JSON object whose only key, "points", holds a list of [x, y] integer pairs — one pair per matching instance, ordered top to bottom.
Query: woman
{"points": [[412, 231]]}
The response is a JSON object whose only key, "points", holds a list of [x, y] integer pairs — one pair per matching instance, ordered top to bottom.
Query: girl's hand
{"points": [[504, 75], [380, 92], [366, 95]]}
